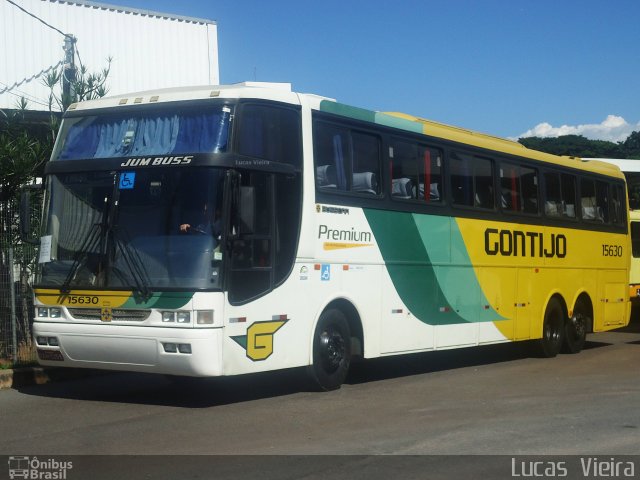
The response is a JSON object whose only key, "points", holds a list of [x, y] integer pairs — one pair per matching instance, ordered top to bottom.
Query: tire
{"points": [[553, 329], [575, 331], [331, 351]]}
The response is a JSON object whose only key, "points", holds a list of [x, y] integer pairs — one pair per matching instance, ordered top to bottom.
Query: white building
{"points": [[150, 50]]}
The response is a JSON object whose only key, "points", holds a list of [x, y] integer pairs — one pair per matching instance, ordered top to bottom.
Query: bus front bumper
{"points": [[195, 352]]}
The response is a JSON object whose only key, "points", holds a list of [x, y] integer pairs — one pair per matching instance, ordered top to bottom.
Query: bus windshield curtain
{"points": [[111, 137]]}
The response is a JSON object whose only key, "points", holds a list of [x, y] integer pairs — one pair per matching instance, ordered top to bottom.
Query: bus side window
{"points": [[271, 133], [332, 156], [346, 160], [366, 163], [416, 172], [404, 173], [430, 179], [461, 180], [472, 181], [568, 184], [518, 188], [530, 193], [552, 195], [602, 201], [617, 205], [591, 210]]}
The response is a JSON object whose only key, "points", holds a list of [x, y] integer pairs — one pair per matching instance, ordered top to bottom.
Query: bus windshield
{"points": [[146, 132], [144, 230]]}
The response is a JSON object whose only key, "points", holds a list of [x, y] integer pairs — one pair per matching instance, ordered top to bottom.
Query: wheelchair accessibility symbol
{"points": [[127, 180], [325, 273]]}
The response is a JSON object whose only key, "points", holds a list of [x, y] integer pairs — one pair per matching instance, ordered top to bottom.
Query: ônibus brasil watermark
{"points": [[38, 469]]}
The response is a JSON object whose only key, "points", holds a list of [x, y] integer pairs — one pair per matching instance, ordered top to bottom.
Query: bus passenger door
{"points": [[249, 236]]}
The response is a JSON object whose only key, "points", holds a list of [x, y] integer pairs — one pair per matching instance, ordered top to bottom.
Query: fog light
{"points": [[42, 312], [55, 312], [168, 317], [184, 317], [204, 317], [41, 340], [53, 342], [170, 347], [184, 347]]}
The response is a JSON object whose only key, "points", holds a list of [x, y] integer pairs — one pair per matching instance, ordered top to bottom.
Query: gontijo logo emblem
{"points": [[258, 342]]}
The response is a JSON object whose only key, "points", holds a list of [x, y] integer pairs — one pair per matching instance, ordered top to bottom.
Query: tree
{"points": [[83, 86], [574, 145], [632, 145], [25, 146]]}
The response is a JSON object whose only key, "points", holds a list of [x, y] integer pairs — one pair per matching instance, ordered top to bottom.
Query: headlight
{"points": [[42, 312], [55, 312], [168, 317], [184, 317]]}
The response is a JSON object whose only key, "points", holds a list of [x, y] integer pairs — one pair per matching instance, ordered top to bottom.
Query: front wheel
{"points": [[552, 330], [331, 351]]}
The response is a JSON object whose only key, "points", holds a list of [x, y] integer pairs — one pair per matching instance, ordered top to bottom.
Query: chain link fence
{"points": [[17, 263]]}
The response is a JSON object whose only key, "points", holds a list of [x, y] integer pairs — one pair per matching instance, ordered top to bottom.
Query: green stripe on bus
{"points": [[348, 111], [370, 116], [437, 290]]}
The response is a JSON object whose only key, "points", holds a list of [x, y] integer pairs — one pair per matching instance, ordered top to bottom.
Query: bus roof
{"points": [[274, 91], [284, 93]]}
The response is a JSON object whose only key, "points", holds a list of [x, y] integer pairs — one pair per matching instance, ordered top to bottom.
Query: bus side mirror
{"points": [[26, 235]]}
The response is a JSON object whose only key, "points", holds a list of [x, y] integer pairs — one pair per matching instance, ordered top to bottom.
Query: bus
{"points": [[631, 170], [226, 230]]}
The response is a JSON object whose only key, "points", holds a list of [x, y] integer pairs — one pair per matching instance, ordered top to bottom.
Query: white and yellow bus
{"points": [[225, 230]]}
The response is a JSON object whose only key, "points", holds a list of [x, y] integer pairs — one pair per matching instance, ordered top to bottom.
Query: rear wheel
{"points": [[553, 329], [575, 331], [331, 351]]}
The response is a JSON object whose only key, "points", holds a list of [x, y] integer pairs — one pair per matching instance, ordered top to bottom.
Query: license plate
{"points": [[54, 355]]}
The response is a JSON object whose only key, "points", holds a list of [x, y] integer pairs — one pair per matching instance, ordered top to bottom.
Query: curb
{"points": [[27, 376]]}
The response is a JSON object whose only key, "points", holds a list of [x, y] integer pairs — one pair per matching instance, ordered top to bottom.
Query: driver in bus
{"points": [[208, 225]]}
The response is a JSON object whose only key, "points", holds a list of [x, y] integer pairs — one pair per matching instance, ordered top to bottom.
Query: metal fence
{"points": [[17, 262]]}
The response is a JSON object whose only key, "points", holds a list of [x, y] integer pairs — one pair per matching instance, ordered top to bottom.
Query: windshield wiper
{"points": [[82, 255], [133, 262]]}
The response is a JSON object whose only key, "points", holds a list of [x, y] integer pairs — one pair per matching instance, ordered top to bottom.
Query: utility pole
{"points": [[69, 70]]}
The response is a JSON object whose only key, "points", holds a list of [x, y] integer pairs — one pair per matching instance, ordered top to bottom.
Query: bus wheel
{"points": [[552, 330], [575, 331], [331, 351]]}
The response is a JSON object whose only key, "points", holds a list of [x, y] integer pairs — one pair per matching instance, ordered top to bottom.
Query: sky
{"points": [[509, 68]]}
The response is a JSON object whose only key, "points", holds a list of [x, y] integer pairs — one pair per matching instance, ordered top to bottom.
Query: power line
{"points": [[39, 19], [67, 36], [32, 77], [25, 95]]}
